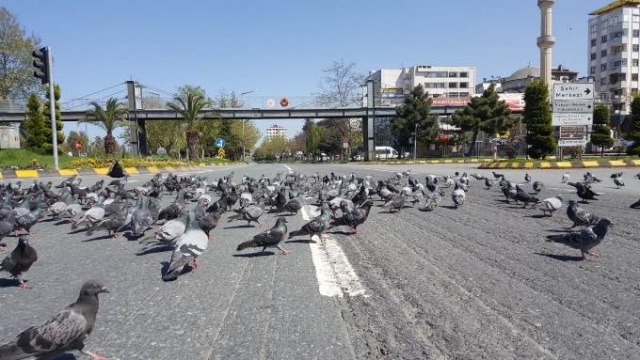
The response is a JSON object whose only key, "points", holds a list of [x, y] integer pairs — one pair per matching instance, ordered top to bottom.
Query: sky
{"points": [[279, 48]]}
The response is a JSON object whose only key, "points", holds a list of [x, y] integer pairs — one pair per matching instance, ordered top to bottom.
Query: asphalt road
{"points": [[469, 283]]}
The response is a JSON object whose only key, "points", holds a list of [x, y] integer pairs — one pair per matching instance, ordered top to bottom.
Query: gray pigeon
{"points": [[458, 196], [550, 205], [250, 213], [580, 216], [316, 226], [269, 238], [585, 239], [189, 246], [20, 260], [65, 331]]}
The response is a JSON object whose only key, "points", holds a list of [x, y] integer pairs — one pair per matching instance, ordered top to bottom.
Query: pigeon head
{"points": [[281, 220], [605, 223], [23, 241], [93, 288]]}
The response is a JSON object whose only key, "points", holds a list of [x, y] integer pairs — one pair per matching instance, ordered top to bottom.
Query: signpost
{"points": [[572, 112], [220, 143]]}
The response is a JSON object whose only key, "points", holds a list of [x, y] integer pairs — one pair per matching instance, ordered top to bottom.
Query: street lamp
{"points": [[242, 104]]}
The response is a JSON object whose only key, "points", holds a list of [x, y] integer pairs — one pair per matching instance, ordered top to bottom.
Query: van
{"points": [[386, 152]]}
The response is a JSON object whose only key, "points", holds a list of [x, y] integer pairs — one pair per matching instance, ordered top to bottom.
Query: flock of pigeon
{"points": [[139, 214]]}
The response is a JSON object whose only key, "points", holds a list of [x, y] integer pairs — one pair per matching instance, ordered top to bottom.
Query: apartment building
{"points": [[614, 51], [439, 81], [275, 130]]}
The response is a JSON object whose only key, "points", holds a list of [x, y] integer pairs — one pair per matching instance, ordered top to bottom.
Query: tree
{"points": [[16, 70], [341, 86], [188, 104], [415, 110], [487, 113], [47, 114], [537, 117], [108, 118], [35, 126], [601, 133], [634, 133], [168, 134], [75, 137], [314, 137], [270, 148]]}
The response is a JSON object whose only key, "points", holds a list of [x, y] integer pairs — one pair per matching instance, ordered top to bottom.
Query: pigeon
{"points": [[116, 171], [497, 176], [527, 178], [565, 178], [617, 179], [488, 183], [537, 186], [584, 191], [522, 195], [458, 196], [396, 202], [550, 205], [635, 205], [250, 213], [579, 216], [90, 218], [25, 222], [316, 226], [165, 236], [269, 238], [585, 239], [189, 246], [20, 260], [65, 331]]}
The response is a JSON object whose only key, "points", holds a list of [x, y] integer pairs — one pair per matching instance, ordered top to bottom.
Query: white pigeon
{"points": [[565, 178], [458, 196], [550, 205]]}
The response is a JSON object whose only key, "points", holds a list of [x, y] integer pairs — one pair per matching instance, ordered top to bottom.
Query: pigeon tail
{"points": [[297, 233], [247, 244], [11, 351]]}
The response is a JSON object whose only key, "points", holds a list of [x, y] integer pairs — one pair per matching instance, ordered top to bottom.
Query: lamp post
{"points": [[242, 105], [415, 143]]}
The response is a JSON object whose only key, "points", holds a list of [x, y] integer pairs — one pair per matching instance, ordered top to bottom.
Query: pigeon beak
{"points": [[104, 290]]}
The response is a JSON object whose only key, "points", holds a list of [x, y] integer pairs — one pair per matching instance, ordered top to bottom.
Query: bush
{"points": [[574, 152], [138, 162]]}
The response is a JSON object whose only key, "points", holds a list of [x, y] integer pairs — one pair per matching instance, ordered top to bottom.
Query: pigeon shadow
{"points": [[450, 207], [538, 216], [48, 220], [62, 222], [240, 226], [77, 231], [564, 231], [339, 232], [101, 237], [131, 237], [301, 241], [154, 250], [256, 254], [561, 257], [5, 283], [65, 356]]}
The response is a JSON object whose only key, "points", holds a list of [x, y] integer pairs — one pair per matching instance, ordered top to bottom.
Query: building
{"points": [[614, 51], [521, 78], [392, 85], [275, 130], [9, 137]]}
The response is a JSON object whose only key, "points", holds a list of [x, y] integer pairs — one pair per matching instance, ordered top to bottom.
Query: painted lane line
{"points": [[288, 168], [335, 275]]}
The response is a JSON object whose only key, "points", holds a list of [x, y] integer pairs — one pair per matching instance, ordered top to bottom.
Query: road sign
{"points": [[573, 91], [573, 106], [564, 119], [573, 132], [220, 142], [572, 142], [221, 153]]}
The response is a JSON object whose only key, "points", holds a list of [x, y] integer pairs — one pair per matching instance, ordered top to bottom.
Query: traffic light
{"points": [[41, 64]]}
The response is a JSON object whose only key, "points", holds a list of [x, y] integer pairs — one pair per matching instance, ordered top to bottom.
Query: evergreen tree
{"points": [[415, 110], [487, 113], [47, 114], [537, 117], [35, 126], [601, 132], [634, 133]]}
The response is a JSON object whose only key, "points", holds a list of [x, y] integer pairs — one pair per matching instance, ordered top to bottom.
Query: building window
{"points": [[636, 18], [636, 33], [603, 39], [594, 42], [636, 47], [603, 53], [593, 56], [634, 62], [603, 67], [592, 70], [436, 74], [453, 74], [464, 74], [634, 77], [603, 81], [453, 85], [464, 85], [464, 94]]}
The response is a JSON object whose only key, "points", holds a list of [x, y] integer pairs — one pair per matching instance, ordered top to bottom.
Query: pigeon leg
{"points": [[211, 238], [3, 247], [284, 252], [592, 253], [194, 264], [23, 284], [93, 355]]}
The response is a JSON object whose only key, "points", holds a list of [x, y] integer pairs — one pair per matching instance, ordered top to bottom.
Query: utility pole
{"points": [[43, 65], [242, 104]]}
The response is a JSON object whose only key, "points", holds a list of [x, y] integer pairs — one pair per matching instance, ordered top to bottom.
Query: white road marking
{"points": [[288, 168], [132, 181], [336, 276]]}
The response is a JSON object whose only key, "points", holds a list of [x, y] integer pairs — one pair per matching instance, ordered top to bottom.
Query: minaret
{"points": [[546, 40]]}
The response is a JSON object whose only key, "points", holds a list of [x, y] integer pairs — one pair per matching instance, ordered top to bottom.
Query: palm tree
{"points": [[188, 106], [108, 118]]}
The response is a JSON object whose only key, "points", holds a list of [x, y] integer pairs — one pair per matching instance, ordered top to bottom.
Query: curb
{"points": [[424, 162], [560, 164], [26, 174]]}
